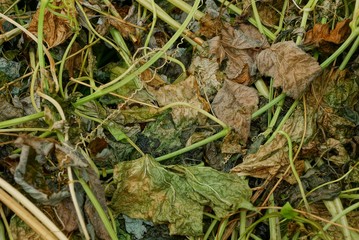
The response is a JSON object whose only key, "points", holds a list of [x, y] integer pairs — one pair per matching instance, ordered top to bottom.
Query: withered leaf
{"points": [[56, 29], [325, 39], [240, 46], [292, 69], [206, 70], [185, 91], [234, 104], [271, 160], [176, 195]]}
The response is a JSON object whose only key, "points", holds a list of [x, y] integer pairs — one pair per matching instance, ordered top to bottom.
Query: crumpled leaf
{"points": [[56, 29], [325, 39], [240, 46], [292, 69], [206, 70], [185, 91], [234, 105], [272, 158], [38, 181], [175, 195], [136, 227], [20, 230]]}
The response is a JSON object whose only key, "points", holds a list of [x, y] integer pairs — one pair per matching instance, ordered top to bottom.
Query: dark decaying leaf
{"points": [[291, 68], [9, 70], [234, 104], [8, 111], [272, 158], [313, 178], [37, 188], [175, 195], [91, 213], [67, 214]]}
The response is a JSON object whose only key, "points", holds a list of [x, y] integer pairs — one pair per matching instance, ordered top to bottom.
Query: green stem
{"points": [[185, 7], [257, 17], [281, 19], [154, 21], [170, 21], [354, 34], [40, 38], [123, 50], [350, 54], [63, 61], [144, 67], [268, 106], [274, 118], [285, 118], [16, 121], [295, 173], [98, 207], [243, 221], [273, 222]]}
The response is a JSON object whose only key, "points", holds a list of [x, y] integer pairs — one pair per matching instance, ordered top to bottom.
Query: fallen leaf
{"points": [[210, 27], [56, 29], [325, 39], [240, 46], [291, 68], [206, 71], [185, 91], [234, 105], [272, 158], [176, 195]]}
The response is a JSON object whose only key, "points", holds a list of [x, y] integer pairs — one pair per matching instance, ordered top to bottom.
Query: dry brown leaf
{"points": [[210, 27], [56, 29], [325, 39], [240, 46], [75, 62], [292, 69], [206, 71], [185, 91], [234, 104], [271, 160], [266, 162], [67, 215]]}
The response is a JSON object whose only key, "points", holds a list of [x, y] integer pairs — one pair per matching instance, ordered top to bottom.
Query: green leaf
{"points": [[116, 131], [176, 195], [288, 211]]}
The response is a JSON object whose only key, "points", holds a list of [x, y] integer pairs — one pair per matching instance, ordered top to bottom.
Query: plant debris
{"points": [[178, 120]]}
